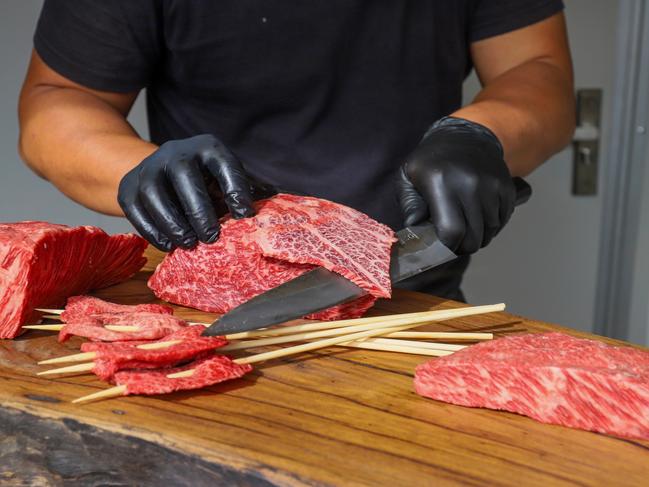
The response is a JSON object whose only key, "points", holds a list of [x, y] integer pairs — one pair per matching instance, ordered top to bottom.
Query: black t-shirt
{"points": [[324, 97]]}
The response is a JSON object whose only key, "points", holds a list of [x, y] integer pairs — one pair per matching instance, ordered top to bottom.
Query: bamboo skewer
{"points": [[50, 311], [55, 314], [437, 315], [419, 318], [369, 323], [374, 323], [324, 325], [44, 327], [120, 328], [419, 335], [441, 335], [366, 344], [370, 344], [415, 344], [305, 347], [77, 357], [82, 357], [71, 369], [121, 390], [105, 394]]}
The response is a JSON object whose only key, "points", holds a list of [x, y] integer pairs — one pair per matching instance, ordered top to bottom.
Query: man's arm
{"points": [[527, 98], [78, 138]]}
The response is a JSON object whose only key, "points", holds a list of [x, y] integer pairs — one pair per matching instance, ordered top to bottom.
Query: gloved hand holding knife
{"points": [[456, 177], [458, 180]]}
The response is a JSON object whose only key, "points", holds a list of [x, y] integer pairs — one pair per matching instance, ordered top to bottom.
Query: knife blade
{"points": [[418, 249]]}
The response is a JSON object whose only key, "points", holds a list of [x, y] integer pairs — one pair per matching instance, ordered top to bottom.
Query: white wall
{"points": [[23, 196], [544, 263], [639, 313]]}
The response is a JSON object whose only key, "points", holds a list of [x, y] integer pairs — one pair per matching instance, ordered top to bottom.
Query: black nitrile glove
{"points": [[457, 178], [175, 196]]}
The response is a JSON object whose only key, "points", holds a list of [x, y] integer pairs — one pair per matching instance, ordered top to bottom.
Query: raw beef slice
{"points": [[289, 236], [41, 264], [79, 307], [152, 326], [112, 357], [209, 370], [551, 377]]}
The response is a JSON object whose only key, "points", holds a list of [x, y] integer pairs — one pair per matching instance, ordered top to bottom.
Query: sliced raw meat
{"points": [[314, 231], [289, 236], [41, 264], [222, 275], [79, 307], [353, 309], [152, 326], [190, 332], [112, 357], [105, 369], [208, 371], [551, 377]]}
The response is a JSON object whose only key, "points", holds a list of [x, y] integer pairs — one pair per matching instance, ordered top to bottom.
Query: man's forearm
{"points": [[530, 109], [80, 143]]}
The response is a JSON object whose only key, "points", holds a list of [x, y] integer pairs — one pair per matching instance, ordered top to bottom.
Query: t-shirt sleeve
{"points": [[494, 17], [104, 45]]}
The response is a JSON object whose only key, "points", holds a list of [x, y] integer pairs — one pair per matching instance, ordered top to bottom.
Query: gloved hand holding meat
{"points": [[457, 178], [170, 199]]}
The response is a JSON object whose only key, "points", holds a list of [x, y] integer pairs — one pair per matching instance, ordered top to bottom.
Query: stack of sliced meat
{"points": [[289, 236], [41, 264], [188, 345], [121, 360], [552, 377]]}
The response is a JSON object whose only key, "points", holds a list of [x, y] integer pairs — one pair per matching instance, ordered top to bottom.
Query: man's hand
{"points": [[458, 179], [167, 196]]}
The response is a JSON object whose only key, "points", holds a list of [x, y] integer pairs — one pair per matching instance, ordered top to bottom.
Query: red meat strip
{"points": [[314, 231], [289, 236], [41, 264], [79, 307], [353, 309], [152, 326], [190, 333], [112, 357], [105, 369], [208, 371], [551, 377]]}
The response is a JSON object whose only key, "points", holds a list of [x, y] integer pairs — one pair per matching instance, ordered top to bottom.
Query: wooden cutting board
{"points": [[331, 417]]}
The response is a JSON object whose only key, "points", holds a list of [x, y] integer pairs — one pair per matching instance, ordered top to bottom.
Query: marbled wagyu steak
{"points": [[288, 236], [551, 377]]}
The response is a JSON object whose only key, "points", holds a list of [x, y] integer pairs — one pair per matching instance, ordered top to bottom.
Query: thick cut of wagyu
{"points": [[289, 235], [42, 264]]}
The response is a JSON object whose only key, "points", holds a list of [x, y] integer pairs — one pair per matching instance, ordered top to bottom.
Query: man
{"points": [[327, 98]]}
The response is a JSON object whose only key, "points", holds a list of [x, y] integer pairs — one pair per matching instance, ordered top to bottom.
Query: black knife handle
{"points": [[523, 191]]}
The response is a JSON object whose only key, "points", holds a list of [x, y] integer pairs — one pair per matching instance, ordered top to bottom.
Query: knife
{"points": [[418, 249]]}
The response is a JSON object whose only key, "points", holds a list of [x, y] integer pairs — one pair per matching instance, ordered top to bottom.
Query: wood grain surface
{"points": [[338, 416]]}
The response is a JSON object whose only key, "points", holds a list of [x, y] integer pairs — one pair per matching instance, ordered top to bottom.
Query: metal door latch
{"points": [[586, 142]]}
